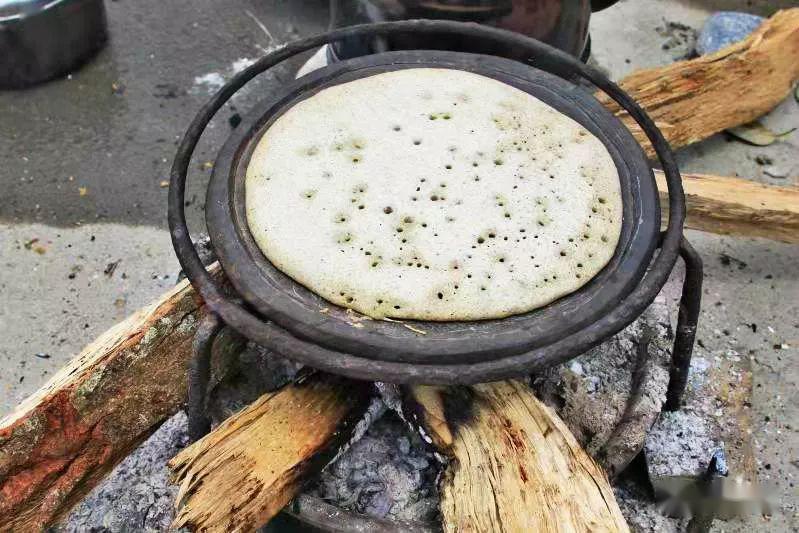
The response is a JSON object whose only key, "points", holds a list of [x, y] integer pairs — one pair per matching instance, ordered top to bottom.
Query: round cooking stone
{"points": [[433, 194]]}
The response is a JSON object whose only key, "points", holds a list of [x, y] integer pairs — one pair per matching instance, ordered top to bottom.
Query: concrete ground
{"points": [[83, 238]]}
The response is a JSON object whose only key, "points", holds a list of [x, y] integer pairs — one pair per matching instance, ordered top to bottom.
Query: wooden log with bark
{"points": [[693, 99], [64, 438], [513, 463], [245, 471]]}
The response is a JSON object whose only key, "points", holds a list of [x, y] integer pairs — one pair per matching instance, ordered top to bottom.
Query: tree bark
{"points": [[691, 100], [63, 439], [514, 465], [245, 471]]}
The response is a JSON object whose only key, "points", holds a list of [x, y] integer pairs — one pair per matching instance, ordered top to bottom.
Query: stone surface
{"points": [[724, 28], [679, 39], [60, 288], [611, 395], [715, 420], [680, 444], [644, 516]]}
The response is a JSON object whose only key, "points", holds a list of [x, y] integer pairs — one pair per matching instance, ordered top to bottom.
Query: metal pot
{"points": [[561, 23], [43, 39]]}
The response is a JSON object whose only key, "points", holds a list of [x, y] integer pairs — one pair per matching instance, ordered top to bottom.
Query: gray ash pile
{"points": [[388, 473]]}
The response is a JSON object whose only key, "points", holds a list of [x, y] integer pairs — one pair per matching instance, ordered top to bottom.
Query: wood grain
{"points": [[736, 206], [514, 465], [245, 471]]}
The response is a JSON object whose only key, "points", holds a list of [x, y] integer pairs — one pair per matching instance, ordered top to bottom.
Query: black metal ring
{"points": [[268, 334]]}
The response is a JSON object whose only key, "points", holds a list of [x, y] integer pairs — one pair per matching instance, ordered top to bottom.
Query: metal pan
{"points": [[295, 308]]}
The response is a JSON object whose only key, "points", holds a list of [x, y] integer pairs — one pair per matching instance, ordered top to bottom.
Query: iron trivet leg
{"points": [[687, 320], [200, 375]]}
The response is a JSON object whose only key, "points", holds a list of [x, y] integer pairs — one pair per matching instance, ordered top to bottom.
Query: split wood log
{"points": [[691, 100], [735, 206], [63, 439], [514, 465], [245, 471]]}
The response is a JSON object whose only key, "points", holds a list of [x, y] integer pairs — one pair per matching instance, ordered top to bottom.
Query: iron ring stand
{"points": [[230, 312]]}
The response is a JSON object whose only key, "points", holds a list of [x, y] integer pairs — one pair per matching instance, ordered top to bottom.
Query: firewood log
{"points": [[693, 99], [735, 206], [64, 438], [513, 464], [245, 471]]}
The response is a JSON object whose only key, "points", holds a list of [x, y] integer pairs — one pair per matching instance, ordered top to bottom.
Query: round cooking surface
{"points": [[433, 194], [289, 304]]}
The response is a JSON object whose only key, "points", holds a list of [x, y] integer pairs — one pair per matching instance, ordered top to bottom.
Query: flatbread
{"points": [[433, 194]]}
